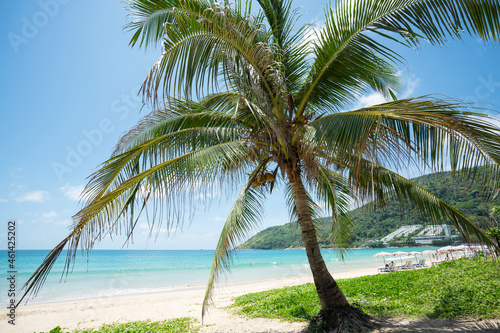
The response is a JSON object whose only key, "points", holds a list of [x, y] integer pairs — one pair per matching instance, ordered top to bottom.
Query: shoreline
{"points": [[132, 279], [183, 301]]}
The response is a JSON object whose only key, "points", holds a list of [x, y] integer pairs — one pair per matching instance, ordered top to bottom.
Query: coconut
{"points": [[269, 177]]}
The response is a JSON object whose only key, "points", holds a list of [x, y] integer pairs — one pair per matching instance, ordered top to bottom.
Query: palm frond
{"points": [[148, 18], [281, 19], [436, 20], [216, 43], [348, 59], [227, 102], [175, 116], [261, 124], [436, 132], [167, 184], [390, 184], [334, 190], [245, 214], [36, 281]]}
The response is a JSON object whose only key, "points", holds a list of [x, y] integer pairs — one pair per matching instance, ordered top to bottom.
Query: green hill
{"points": [[370, 223]]}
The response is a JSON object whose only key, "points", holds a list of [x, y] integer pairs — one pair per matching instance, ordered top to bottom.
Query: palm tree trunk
{"points": [[330, 295], [336, 315]]}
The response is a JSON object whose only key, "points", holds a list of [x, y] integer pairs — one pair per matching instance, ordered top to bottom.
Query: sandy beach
{"points": [[180, 302], [186, 302]]}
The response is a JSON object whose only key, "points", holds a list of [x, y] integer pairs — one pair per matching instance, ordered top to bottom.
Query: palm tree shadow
{"points": [[452, 302], [439, 325]]}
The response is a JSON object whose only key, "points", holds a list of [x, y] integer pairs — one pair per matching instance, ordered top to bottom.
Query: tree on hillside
{"points": [[243, 96], [494, 230]]}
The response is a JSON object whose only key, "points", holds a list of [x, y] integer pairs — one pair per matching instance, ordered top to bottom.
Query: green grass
{"points": [[462, 288], [177, 325]]}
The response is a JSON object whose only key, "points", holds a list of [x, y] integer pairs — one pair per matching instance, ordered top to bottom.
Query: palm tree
{"points": [[243, 96]]}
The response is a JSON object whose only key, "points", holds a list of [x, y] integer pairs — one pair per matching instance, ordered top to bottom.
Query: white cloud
{"points": [[311, 37], [411, 84], [374, 98], [371, 99], [494, 120], [15, 172], [72, 192], [34, 196], [3, 200]]}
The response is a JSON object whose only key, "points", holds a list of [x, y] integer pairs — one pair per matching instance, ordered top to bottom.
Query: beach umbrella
{"points": [[480, 247], [461, 248], [466, 248], [476, 248], [445, 249], [429, 252], [400, 253], [383, 254], [415, 254]]}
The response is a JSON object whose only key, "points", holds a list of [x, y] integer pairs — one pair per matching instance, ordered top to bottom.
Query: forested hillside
{"points": [[370, 223]]}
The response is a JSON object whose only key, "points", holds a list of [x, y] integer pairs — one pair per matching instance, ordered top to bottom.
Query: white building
{"points": [[402, 232], [433, 232], [427, 239]]}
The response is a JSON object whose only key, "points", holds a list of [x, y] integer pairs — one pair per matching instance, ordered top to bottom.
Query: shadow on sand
{"points": [[439, 325]]}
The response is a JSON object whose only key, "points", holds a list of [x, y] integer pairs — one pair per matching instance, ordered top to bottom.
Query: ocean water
{"points": [[121, 272]]}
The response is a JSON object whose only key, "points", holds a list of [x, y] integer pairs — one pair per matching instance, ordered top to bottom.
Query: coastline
{"points": [[130, 272], [179, 302]]}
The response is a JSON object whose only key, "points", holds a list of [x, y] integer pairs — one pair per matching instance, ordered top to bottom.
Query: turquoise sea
{"points": [[121, 272]]}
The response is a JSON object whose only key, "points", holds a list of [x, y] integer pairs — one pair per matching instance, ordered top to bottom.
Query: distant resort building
{"points": [[402, 232], [432, 233], [425, 236], [427, 239]]}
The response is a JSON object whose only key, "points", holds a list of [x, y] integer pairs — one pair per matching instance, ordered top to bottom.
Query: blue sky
{"points": [[69, 85]]}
